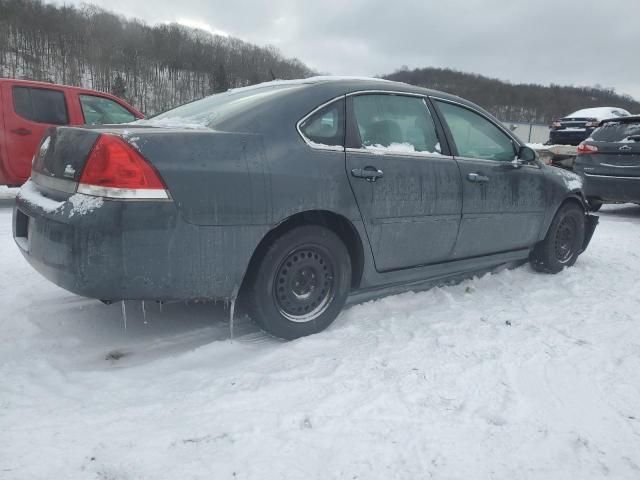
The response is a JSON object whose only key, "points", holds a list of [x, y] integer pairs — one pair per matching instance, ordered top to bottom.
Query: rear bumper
{"points": [[569, 137], [611, 189], [138, 250]]}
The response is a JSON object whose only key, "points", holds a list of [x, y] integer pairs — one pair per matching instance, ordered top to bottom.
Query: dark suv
{"points": [[574, 128], [609, 161]]}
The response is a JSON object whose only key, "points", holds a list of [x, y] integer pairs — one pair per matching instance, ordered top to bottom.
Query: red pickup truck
{"points": [[28, 108]]}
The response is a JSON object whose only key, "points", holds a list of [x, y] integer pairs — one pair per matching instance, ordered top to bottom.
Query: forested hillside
{"points": [[158, 67], [154, 68], [511, 102]]}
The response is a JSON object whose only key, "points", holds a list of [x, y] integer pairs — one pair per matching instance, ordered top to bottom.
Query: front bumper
{"points": [[611, 188], [132, 250]]}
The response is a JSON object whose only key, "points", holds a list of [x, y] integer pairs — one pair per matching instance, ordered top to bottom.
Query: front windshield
{"points": [[216, 108]]}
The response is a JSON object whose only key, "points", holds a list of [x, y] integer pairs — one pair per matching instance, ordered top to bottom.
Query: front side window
{"points": [[40, 105], [100, 110], [395, 123], [326, 126], [475, 136]]}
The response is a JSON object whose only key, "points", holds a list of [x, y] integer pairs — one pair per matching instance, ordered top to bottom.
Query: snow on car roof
{"points": [[302, 81], [599, 112]]}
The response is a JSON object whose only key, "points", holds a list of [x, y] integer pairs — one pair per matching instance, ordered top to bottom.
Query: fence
{"points": [[529, 132]]}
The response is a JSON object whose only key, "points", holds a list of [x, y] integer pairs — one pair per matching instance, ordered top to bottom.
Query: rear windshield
{"points": [[219, 107], [617, 132]]}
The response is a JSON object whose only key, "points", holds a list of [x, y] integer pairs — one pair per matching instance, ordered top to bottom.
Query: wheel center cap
{"points": [[304, 283]]}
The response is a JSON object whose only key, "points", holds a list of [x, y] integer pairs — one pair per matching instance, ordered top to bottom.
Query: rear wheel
{"points": [[563, 243], [301, 283]]}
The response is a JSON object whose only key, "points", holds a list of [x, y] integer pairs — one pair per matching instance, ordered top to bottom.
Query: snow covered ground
{"points": [[515, 375]]}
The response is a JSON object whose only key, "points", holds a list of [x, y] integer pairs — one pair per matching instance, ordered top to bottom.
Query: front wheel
{"points": [[563, 243], [301, 283]]}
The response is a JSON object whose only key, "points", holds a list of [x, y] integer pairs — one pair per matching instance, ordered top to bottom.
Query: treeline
{"points": [[152, 67], [158, 67], [515, 102]]}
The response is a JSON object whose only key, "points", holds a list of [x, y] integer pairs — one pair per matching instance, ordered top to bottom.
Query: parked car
{"points": [[28, 108], [574, 128], [609, 162], [296, 195]]}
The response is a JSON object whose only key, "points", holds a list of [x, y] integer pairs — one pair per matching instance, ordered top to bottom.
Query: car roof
{"points": [[35, 83], [354, 83], [336, 85], [293, 99], [597, 112], [628, 119]]}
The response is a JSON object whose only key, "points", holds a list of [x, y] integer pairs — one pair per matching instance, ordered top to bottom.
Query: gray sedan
{"points": [[295, 196]]}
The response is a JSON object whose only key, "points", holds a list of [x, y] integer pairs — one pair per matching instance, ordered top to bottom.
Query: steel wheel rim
{"points": [[565, 239], [304, 284]]}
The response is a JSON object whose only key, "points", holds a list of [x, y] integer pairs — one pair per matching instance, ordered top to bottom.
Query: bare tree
{"points": [[155, 68]]}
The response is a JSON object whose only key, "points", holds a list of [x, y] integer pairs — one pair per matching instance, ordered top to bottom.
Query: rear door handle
{"points": [[21, 131], [371, 174], [477, 178]]}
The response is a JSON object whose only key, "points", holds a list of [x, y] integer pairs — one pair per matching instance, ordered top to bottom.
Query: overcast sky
{"points": [[578, 42]]}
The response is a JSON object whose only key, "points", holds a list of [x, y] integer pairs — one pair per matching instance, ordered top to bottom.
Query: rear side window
{"points": [[40, 105], [100, 110], [396, 123], [326, 126], [624, 132], [475, 136]]}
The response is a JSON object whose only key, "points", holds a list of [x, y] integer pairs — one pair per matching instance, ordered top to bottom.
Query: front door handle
{"points": [[23, 132], [369, 173], [477, 178]]}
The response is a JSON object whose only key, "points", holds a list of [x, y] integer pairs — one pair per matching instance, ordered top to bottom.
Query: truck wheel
{"points": [[563, 242], [301, 283]]}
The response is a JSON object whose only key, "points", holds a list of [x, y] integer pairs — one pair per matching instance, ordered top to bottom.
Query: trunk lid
{"points": [[574, 122], [63, 152], [58, 162]]}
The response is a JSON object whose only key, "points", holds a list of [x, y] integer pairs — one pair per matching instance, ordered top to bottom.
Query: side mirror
{"points": [[526, 154]]}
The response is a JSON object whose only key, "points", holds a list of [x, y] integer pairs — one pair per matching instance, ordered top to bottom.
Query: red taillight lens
{"points": [[584, 148], [115, 169]]}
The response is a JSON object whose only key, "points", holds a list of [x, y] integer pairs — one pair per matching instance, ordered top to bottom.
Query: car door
{"points": [[98, 110], [30, 111], [407, 187], [503, 200]]}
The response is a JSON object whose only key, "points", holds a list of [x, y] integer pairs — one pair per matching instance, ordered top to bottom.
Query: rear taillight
{"points": [[585, 148], [115, 169]]}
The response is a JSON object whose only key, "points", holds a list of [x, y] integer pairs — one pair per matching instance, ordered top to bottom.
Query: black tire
{"points": [[594, 204], [563, 243], [301, 283]]}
